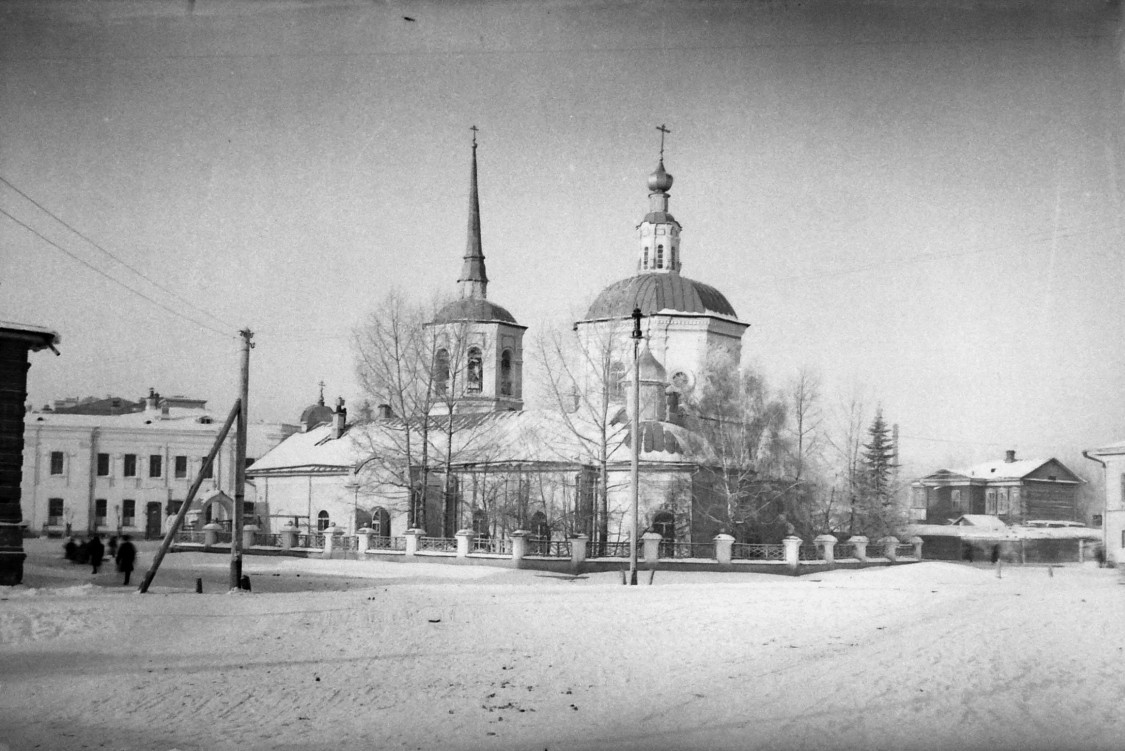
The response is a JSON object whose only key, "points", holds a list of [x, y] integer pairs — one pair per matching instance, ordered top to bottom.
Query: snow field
{"points": [[927, 656]]}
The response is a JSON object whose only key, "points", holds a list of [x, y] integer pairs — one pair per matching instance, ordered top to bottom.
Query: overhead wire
{"points": [[136, 271], [111, 278]]}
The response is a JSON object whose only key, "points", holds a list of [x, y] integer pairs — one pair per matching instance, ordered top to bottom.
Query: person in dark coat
{"points": [[70, 550], [96, 551], [126, 554], [995, 554]]}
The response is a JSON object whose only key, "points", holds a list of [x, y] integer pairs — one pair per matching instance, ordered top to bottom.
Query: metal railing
{"points": [[190, 535], [222, 536], [267, 540], [309, 541], [345, 542], [379, 542], [437, 544], [490, 545], [546, 548], [615, 550], [704, 550], [843, 550], [875, 550], [904, 550], [746, 551], [810, 553]]}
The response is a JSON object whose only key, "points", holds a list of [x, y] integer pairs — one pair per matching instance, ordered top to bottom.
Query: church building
{"points": [[555, 472]]}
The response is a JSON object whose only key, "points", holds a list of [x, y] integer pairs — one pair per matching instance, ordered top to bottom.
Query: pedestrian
{"points": [[70, 550], [96, 551], [126, 554], [968, 554], [995, 554]]}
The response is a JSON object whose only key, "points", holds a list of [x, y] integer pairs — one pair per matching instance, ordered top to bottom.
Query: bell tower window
{"points": [[659, 256], [645, 264], [441, 371], [506, 373], [474, 376]]}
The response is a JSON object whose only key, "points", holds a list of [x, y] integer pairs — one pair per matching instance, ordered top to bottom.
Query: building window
{"points": [[659, 256], [645, 264], [441, 371], [506, 373], [474, 375], [616, 380], [56, 462], [103, 465], [155, 465], [181, 467], [129, 469], [208, 469], [920, 498], [955, 499], [1002, 501], [990, 502], [174, 507], [247, 508], [55, 512], [99, 512], [128, 512], [1096, 520], [322, 521], [480, 523]]}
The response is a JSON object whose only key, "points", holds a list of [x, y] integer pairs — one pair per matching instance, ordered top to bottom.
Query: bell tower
{"points": [[659, 232]]}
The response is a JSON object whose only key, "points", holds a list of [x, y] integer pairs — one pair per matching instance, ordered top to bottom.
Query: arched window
{"points": [[659, 256], [671, 256], [645, 264], [441, 371], [506, 372], [474, 376], [616, 380], [322, 521], [380, 521], [480, 523], [664, 524], [540, 533]]}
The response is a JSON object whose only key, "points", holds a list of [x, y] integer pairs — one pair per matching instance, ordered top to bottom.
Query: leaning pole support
{"points": [[203, 472]]}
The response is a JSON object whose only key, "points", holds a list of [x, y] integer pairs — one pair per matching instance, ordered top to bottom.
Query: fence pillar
{"points": [[248, 533], [330, 533], [210, 534], [288, 537], [412, 538], [464, 539], [362, 540], [651, 542], [889, 542], [827, 543], [860, 543], [917, 543], [519, 544], [723, 544], [792, 545], [578, 549], [1081, 551]]}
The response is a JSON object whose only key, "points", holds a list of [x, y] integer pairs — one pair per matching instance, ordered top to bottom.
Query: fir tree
{"points": [[879, 460]]}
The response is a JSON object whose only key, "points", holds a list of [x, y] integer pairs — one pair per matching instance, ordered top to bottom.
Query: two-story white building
{"points": [[1112, 457], [129, 473]]}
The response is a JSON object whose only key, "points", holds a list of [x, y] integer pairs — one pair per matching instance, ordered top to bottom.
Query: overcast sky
{"points": [[920, 198]]}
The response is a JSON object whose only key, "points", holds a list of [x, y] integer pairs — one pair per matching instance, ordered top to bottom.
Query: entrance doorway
{"points": [[152, 521]]}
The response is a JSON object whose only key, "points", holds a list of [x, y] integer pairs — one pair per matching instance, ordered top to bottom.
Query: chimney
{"points": [[150, 402], [164, 408], [384, 412], [339, 418], [1009, 456]]}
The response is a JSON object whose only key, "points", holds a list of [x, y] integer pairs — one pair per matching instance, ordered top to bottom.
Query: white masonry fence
{"points": [[521, 545]]}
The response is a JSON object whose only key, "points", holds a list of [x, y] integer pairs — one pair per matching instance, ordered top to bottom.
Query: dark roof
{"points": [[660, 217], [655, 292], [473, 309], [316, 414]]}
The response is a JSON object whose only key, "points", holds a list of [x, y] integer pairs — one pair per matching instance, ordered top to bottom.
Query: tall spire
{"points": [[474, 278]]}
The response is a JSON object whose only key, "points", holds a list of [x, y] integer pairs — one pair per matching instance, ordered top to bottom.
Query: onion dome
{"points": [[660, 181], [653, 293], [473, 309], [316, 414], [666, 442]]}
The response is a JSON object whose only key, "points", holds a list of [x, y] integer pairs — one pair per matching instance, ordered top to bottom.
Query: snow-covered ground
{"points": [[927, 656]]}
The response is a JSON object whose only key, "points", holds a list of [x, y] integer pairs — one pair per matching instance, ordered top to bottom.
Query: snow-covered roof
{"points": [[178, 418], [529, 437], [1112, 448], [1000, 469], [981, 520], [1014, 532]]}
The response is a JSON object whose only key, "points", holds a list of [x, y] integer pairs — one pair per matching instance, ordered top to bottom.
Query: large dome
{"points": [[653, 293], [473, 309]]}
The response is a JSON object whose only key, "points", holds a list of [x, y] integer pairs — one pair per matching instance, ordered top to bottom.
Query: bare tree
{"points": [[393, 362], [584, 381]]}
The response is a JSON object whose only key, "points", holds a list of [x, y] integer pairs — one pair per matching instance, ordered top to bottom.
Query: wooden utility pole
{"points": [[240, 463]]}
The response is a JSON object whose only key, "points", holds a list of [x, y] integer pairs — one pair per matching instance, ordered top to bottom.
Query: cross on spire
{"points": [[474, 129], [663, 131], [321, 384]]}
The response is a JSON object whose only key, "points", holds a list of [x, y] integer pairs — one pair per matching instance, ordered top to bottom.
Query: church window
{"points": [[659, 256], [645, 264], [441, 371], [506, 373], [474, 375], [616, 380], [955, 498], [322, 521], [480, 523], [664, 524]]}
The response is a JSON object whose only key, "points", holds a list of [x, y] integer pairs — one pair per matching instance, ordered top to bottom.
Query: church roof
{"points": [[654, 292], [473, 309]]}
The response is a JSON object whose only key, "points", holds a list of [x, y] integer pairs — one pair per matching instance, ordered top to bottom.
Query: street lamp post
{"points": [[635, 445]]}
